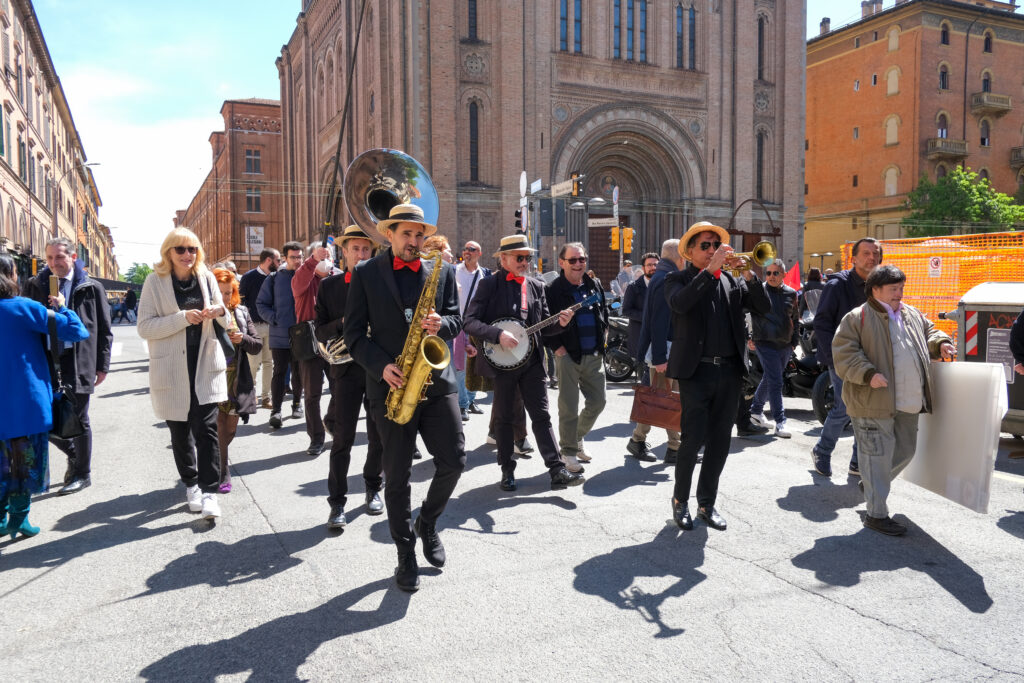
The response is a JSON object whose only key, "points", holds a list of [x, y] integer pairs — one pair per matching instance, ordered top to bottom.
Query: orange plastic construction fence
{"points": [[940, 270]]}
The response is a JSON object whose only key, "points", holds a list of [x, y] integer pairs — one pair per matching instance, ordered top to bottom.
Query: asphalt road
{"points": [[591, 583]]}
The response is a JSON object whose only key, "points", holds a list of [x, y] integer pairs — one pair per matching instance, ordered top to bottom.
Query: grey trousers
{"points": [[587, 378], [885, 447]]}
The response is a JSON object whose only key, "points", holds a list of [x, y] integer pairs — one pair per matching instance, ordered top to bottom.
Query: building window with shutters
{"points": [[252, 200]]}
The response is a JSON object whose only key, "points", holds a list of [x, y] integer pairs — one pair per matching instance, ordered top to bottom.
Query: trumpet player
{"points": [[383, 301], [708, 357], [348, 387]]}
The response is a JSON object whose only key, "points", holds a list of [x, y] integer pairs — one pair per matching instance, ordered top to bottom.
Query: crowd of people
{"points": [[221, 347]]}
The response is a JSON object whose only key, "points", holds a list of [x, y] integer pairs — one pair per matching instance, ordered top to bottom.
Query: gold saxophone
{"points": [[422, 354]]}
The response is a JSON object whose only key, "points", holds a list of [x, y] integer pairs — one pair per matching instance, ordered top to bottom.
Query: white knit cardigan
{"points": [[163, 324]]}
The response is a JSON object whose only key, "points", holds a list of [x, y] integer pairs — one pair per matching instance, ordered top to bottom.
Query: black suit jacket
{"points": [[689, 297], [496, 298], [633, 300], [330, 316], [375, 327]]}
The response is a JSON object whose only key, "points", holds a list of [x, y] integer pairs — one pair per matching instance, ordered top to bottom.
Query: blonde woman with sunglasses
{"points": [[179, 311]]}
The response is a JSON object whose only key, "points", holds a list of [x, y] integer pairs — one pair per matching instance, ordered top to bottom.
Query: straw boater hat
{"points": [[406, 213], [696, 229], [352, 232], [514, 243]]}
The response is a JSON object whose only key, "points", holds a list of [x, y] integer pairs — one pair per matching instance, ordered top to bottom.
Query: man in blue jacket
{"points": [[843, 292], [276, 305], [653, 345]]}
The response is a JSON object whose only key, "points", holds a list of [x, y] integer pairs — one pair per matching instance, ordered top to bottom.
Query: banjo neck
{"points": [[547, 322]]}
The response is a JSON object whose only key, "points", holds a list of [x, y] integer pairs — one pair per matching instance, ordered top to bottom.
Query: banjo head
{"points": [[508, 359]]}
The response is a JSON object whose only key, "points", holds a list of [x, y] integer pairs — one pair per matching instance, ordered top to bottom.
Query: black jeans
{"points": [[282, 362], [513, 389], [347, 395], [709, 400], [439, 421], [197, 436], [79, 449]]}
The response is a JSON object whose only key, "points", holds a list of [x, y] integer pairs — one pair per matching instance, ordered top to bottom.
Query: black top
{"points": [[188, 296], [719, 340]]}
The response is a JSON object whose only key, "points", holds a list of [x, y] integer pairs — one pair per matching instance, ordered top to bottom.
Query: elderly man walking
{"points": [[881, 352]]}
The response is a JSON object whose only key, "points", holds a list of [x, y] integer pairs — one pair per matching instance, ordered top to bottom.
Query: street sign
{"points": [[522, 184], [536, 186], [561, 189], [615, 195], [523, 201], [615, 210], [602, 222], [254, 239]]}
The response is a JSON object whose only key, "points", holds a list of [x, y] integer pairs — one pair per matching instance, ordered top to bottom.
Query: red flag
{"points": [[793, 277]]}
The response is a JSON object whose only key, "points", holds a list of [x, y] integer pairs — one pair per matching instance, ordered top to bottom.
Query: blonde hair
{"points": [[179, 237]]}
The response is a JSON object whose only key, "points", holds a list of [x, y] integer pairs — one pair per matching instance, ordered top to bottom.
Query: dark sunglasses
{"points": [[703, 246], [470, 249], [181, 250], [523, 257], [577, 259], [770, 273]]}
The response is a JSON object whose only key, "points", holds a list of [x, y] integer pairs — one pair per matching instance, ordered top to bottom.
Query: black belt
{"points": [[717, 360]]}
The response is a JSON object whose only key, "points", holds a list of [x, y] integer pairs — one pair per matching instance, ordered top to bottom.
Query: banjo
{"points": [[510, 359]]}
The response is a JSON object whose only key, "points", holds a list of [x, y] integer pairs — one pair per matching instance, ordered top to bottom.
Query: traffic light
{"points": [[575, 183], [519, 220], [615, 240], [627, 240]]}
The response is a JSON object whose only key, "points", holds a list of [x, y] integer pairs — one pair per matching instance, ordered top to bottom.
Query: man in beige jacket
{"points": [[882, 352]]}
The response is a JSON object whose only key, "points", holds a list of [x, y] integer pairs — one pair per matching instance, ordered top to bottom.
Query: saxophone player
{"points": [[383, 301], [348, 387]]}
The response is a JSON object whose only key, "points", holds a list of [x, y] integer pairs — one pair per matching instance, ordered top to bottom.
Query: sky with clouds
{"points": [[145, 82]]}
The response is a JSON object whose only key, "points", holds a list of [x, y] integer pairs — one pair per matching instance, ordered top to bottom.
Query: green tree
{"points": [[959, 202], [137, 273]]}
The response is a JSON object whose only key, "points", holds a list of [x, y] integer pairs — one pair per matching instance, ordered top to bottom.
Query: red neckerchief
{"points": [[414, 266], [348, 277]]}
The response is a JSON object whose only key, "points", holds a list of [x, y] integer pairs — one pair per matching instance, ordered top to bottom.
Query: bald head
{"points": [[670, 250], [471, 254]]}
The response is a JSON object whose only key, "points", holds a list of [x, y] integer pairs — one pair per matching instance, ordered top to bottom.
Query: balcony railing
{"points": [[990, 103], [945, 148], [1016, 157]]}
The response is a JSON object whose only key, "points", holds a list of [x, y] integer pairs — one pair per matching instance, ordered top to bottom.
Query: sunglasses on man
{"points": [[704, 246], [470, 249], [181, 250], [523, 257], [576, 259], [773, 273]]}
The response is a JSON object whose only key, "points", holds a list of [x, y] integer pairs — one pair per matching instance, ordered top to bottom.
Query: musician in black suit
{"points": [[510, 292], [382, 301], [708, 357], [348, 387]]}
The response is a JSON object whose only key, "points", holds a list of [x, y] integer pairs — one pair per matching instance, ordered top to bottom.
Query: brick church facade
{"points": [[690, 107]]}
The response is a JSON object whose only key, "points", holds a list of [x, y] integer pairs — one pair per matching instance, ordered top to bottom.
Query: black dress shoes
{"points": [[475, 409], [750, 429], [316, 447], [640, 450], [671, 455], [563, 478], [508, 481], [75, 485], [374, 505], [681, 515], [712, 518], [337, 520], [884, 525], [433, 549], [407, 573]]}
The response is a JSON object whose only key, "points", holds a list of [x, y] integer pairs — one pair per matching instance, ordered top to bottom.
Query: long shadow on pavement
{"points": [[629, 473], [822, 500], [477, 505], [1013, 523], [671, 553], [840, 561], [275, 650]]}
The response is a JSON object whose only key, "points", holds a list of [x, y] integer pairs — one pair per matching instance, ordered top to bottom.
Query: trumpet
{"points": [[763, 254]]}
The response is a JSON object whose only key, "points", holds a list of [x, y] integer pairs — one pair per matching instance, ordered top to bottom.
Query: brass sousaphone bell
{"points": [[763, 254]]}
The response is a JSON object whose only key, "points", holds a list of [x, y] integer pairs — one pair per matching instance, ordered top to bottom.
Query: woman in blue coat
{"points": [[26, 404]]}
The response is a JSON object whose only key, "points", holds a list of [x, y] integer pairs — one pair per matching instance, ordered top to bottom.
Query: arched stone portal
{"points": [[654, 162]]}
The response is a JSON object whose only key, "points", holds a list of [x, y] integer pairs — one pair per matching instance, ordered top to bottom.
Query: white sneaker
{"points": [[760, 420], [781, 431], [582, 456], [572, 464], [195, 498], [211, 508]]}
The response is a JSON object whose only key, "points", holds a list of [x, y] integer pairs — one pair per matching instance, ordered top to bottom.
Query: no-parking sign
{"points": [[935, 266]]}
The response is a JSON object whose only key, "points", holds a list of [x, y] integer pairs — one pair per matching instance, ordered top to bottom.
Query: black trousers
{"points": [[282, 362], [312, 382], [527, 385], [348, 393], [709, 399], [518, 416], [439, 421], [197, 436], [79, 449]]}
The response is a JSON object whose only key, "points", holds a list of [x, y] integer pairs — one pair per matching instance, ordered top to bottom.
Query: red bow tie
{"points": [[414, 266], [718, 274], [348, 277], [510, 277]]}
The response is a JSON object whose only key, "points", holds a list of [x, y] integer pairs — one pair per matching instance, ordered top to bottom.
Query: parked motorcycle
{"points": [[618, 364]]}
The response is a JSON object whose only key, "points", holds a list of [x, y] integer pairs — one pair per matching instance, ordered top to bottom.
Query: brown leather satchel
{"points": [[657, 406]]}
